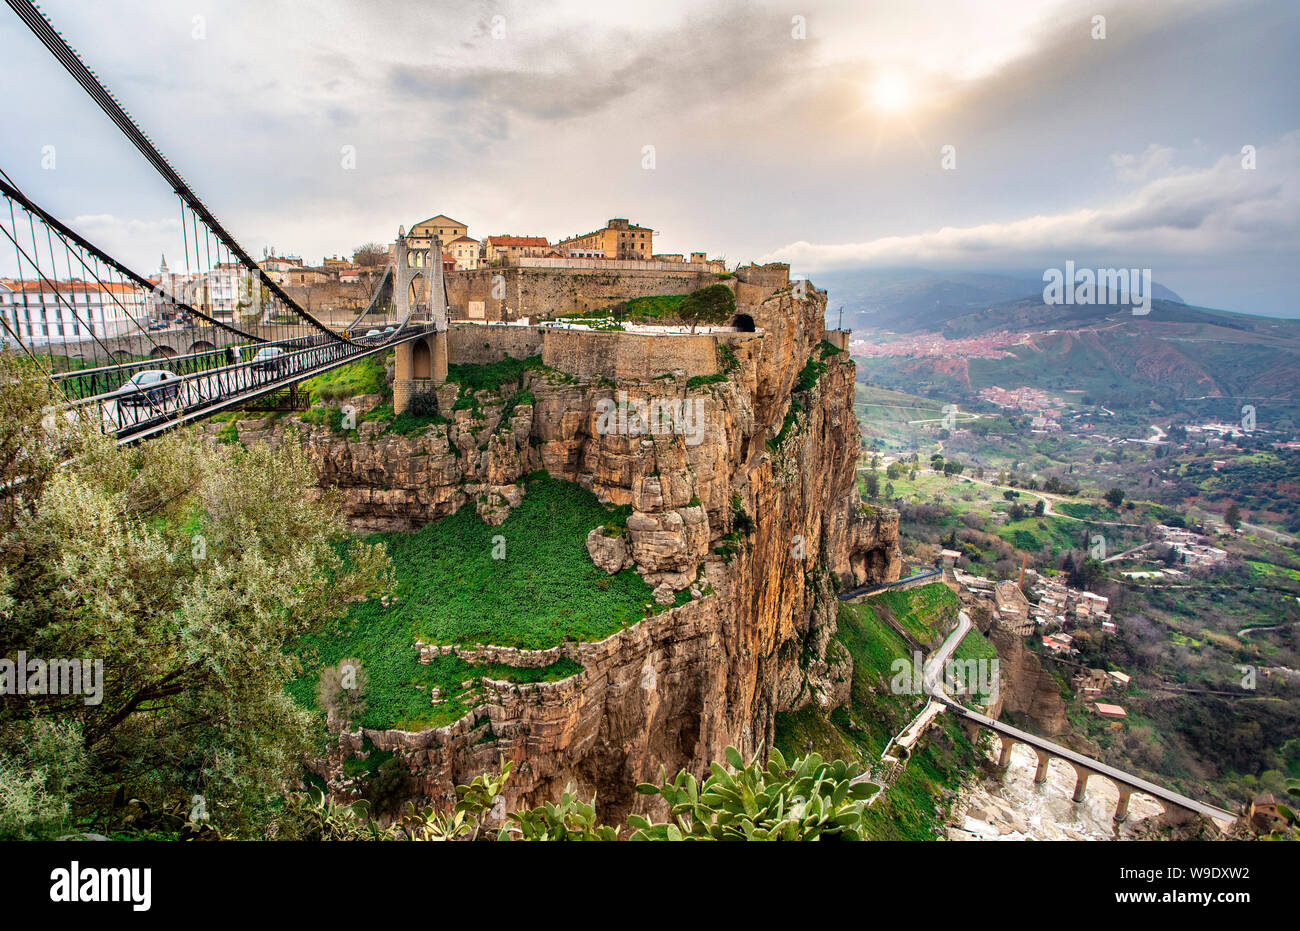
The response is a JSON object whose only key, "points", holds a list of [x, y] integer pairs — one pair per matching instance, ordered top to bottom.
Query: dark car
{"points": [[153, 386]]}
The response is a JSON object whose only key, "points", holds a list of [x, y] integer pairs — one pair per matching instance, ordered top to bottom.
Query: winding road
{"points": [[939, 700]]}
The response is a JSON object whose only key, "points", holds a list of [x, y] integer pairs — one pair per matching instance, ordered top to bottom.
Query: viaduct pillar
{"points": [[1004, 758], [1044, 758], [1080, 783], [1121, 809]]}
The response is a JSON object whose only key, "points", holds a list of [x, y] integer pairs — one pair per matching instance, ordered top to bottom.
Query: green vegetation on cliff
{"points": [[365, 376], [491, 376], [529, 583], [924, 612], [914, 806]]}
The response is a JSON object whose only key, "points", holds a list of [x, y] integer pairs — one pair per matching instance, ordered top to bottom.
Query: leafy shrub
{"points": [[491, 376]]}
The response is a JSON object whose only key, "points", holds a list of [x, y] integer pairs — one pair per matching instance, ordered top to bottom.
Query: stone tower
{"points": [[420, 295]]}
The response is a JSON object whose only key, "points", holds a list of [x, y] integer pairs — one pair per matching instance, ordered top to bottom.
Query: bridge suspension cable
{"points": [[68, 57], [141, 355]]}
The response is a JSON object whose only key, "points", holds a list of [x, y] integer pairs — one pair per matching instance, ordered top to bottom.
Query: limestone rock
{"points": [[610, 553]]}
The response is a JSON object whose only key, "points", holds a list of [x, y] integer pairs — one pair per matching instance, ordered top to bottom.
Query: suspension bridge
{"points": [[138, 356]]}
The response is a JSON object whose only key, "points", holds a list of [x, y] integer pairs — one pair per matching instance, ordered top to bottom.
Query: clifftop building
{"points": [[444, 227], [618, 240], [502, 250], [68, 311]]}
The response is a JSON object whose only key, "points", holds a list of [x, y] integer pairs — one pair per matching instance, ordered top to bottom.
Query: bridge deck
{"points": [[199, 394], [874, 587], [1104, 769]]}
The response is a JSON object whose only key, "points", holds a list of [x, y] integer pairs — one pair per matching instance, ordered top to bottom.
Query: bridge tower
{"points": [[419, 290]]}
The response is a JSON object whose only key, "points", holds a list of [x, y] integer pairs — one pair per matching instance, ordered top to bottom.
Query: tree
{"points": [[370, 254], [709, 306], [893, 471], [873, 485], [1114, 497], [1040, 507], [1232, 517], [186, 569], [1085, 573]]}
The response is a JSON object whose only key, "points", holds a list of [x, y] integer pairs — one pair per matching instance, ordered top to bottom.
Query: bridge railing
{"points": [[89, 383], [128, 413]]}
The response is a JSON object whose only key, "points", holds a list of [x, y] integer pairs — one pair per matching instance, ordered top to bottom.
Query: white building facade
{"points": [[39, 313]]}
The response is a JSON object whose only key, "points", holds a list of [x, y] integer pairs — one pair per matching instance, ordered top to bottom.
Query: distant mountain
{"points": [[919, 300], [1030, 314], [1175, 352]]}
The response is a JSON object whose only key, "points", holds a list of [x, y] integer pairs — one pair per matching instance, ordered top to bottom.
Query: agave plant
{"points": [[813, 799], [428, 825], [1292, 829]]}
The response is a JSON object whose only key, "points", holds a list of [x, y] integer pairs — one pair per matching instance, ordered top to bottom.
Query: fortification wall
{"points": [[756, 283], [510, 293], [479, 345], [613, 354], [619, 355]]}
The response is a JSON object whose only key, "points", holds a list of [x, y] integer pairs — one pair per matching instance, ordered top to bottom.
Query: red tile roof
{"points": [[518, 240]]}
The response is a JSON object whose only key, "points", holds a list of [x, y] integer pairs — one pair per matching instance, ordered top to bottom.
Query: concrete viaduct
{"points": [[1084, 768]]}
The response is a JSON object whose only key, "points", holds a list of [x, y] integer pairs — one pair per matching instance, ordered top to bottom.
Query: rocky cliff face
{"points": [[759, 518], [1029, 694]]}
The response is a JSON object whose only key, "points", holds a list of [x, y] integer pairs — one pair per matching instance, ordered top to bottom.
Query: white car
{"points": [[270, 359]]}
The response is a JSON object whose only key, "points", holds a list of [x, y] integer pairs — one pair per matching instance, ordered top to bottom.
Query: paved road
{"points": [[1048, 499], [1269, 532], [873, 587], [932, 672], [932, 685]]}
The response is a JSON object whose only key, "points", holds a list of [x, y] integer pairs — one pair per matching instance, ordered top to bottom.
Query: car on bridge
{"points": [[270, 359], [152, 387]]}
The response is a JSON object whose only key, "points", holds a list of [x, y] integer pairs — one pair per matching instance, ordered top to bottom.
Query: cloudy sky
{"points": [[826, 150]]}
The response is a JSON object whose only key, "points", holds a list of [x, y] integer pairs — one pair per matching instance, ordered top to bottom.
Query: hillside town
{"points": [[334, 289]]}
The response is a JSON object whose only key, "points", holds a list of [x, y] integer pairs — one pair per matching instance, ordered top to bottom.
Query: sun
{"points": [[891, 93]]}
